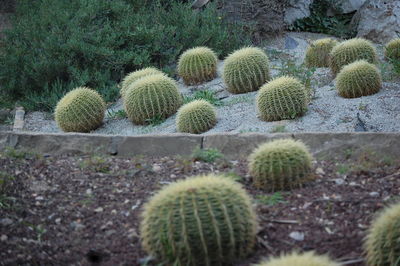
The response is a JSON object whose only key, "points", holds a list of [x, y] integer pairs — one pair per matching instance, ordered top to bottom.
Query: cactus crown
{"points": [[392, 49], [352, 50], [318, 53], [197, 65], [246, 70], [134, 76], [358, 79], [152, 96], [282, 98], [80, 110], [196, 117], [280, 164], [204, 220], [382, 242], [296, 259]]}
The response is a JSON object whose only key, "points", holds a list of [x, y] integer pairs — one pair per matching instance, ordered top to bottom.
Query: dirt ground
{"points": [[75, 210]]}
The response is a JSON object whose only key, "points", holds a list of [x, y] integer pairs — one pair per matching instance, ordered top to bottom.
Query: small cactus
{"points": [[352, 50], [392, 50], [318, 53], [197, 65], [246, 70], [136, 75], [358, 79], [153, 96], [282, 98], [80, 110], [196, 117], [280, 164], [204, 220], [382, 242], [296, 259]]}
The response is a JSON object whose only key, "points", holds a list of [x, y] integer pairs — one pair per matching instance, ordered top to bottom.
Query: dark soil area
{"points": [[86, 210]]}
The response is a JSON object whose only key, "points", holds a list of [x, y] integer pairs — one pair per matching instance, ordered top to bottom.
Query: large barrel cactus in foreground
{"points": [[350, 51], [318, 53], [197, 65], [246, 70], [136, 75], [358, 79], [152, 97], [282, 98], [80, 110], [196, 117], [280, 164], [205, 220], [383, 240], [296, 259]]}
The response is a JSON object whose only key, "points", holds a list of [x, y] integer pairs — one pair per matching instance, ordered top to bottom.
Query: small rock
{"points": [[290, 43], [157, 168], [319, 171], [173, 176], [339, 181], [352, 184], [89, 191], [374, 194], [39, 198], [99, 209], [114, 211], [58, 220], [6, 221], [76, 226], [110, 232], [298, 236], [3, 238]]}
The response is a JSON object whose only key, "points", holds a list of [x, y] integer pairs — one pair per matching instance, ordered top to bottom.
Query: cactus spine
{"points": [[318, 53], [197, 65], [246, 70], [136, 75], [358, 79], [153, 96], [282, 98], [80, 110], [196, 117], [280, 164], [204, 220], [296, 259]]}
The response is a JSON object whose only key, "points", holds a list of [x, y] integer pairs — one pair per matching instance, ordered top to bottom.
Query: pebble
{"points": [[157, 168], [320, 171], [173, 176], [339, 181], [89, 191], [374, 194], [39, 198], [99, 209], [58, 220], [6, 221], [76, 226], [298, 236], [4, 238]]}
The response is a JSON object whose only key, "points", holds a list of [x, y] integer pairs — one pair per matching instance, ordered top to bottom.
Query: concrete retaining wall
{"points": [[233, 146]]}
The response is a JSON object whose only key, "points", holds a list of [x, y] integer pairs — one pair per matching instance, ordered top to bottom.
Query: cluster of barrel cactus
{"points": [[318, 53], [196, 117], [204, 220], [297, 259]]}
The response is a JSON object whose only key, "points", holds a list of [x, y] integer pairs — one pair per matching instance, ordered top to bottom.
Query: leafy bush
{"points": [[55, 46]]}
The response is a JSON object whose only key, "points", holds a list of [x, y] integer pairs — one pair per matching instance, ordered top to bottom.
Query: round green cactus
{"points": [[352, 50], [392, 50], [318, 53], [197, 65], [246, 70], [136, 75], [358, 79], [153, 96], [282, 98], [80, 110], [196, 117], [280, 164], [205, 220], [382, 242], [296, 259]]}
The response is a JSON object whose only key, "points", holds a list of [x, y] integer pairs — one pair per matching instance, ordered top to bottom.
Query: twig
{"points": [[283, 221], [349, 262]]}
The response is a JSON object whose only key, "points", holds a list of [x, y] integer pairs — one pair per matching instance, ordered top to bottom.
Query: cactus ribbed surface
{"points": [[352, 50], [392, 50], [318, 53], [197, 65], [246, 70], [134, 76], [358, 79], [153, 96], [282, 98], [80, 110], [196, 117], [280, 164], [204, 220], [383, 240], [296, 259]]}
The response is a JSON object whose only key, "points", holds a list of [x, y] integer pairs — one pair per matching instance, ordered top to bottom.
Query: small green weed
{"points": [[207, 95], [239, 99], [362, 106], [120, 114], [155, 121], [279, 129], [249, 130], [19, 154], [206, 155], [96, 164], [343, 169], [233, 176], [5, 184], [277, 197]]}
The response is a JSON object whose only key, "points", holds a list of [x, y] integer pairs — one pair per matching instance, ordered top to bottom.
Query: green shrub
{"points": [[55, 46], [392, 50], [350, 51], [318, 53], [197, 65], [246, 70], [136, 75], [358, 79], [207, 95], [153, 96], [282, 98], [80, 110], [196, 117], [206, 155], [280, 164], [204, 220], [382, 242], [296, 259]]}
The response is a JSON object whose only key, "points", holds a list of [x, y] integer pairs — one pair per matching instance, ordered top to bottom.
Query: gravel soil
{"points": [[85, 210]]}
